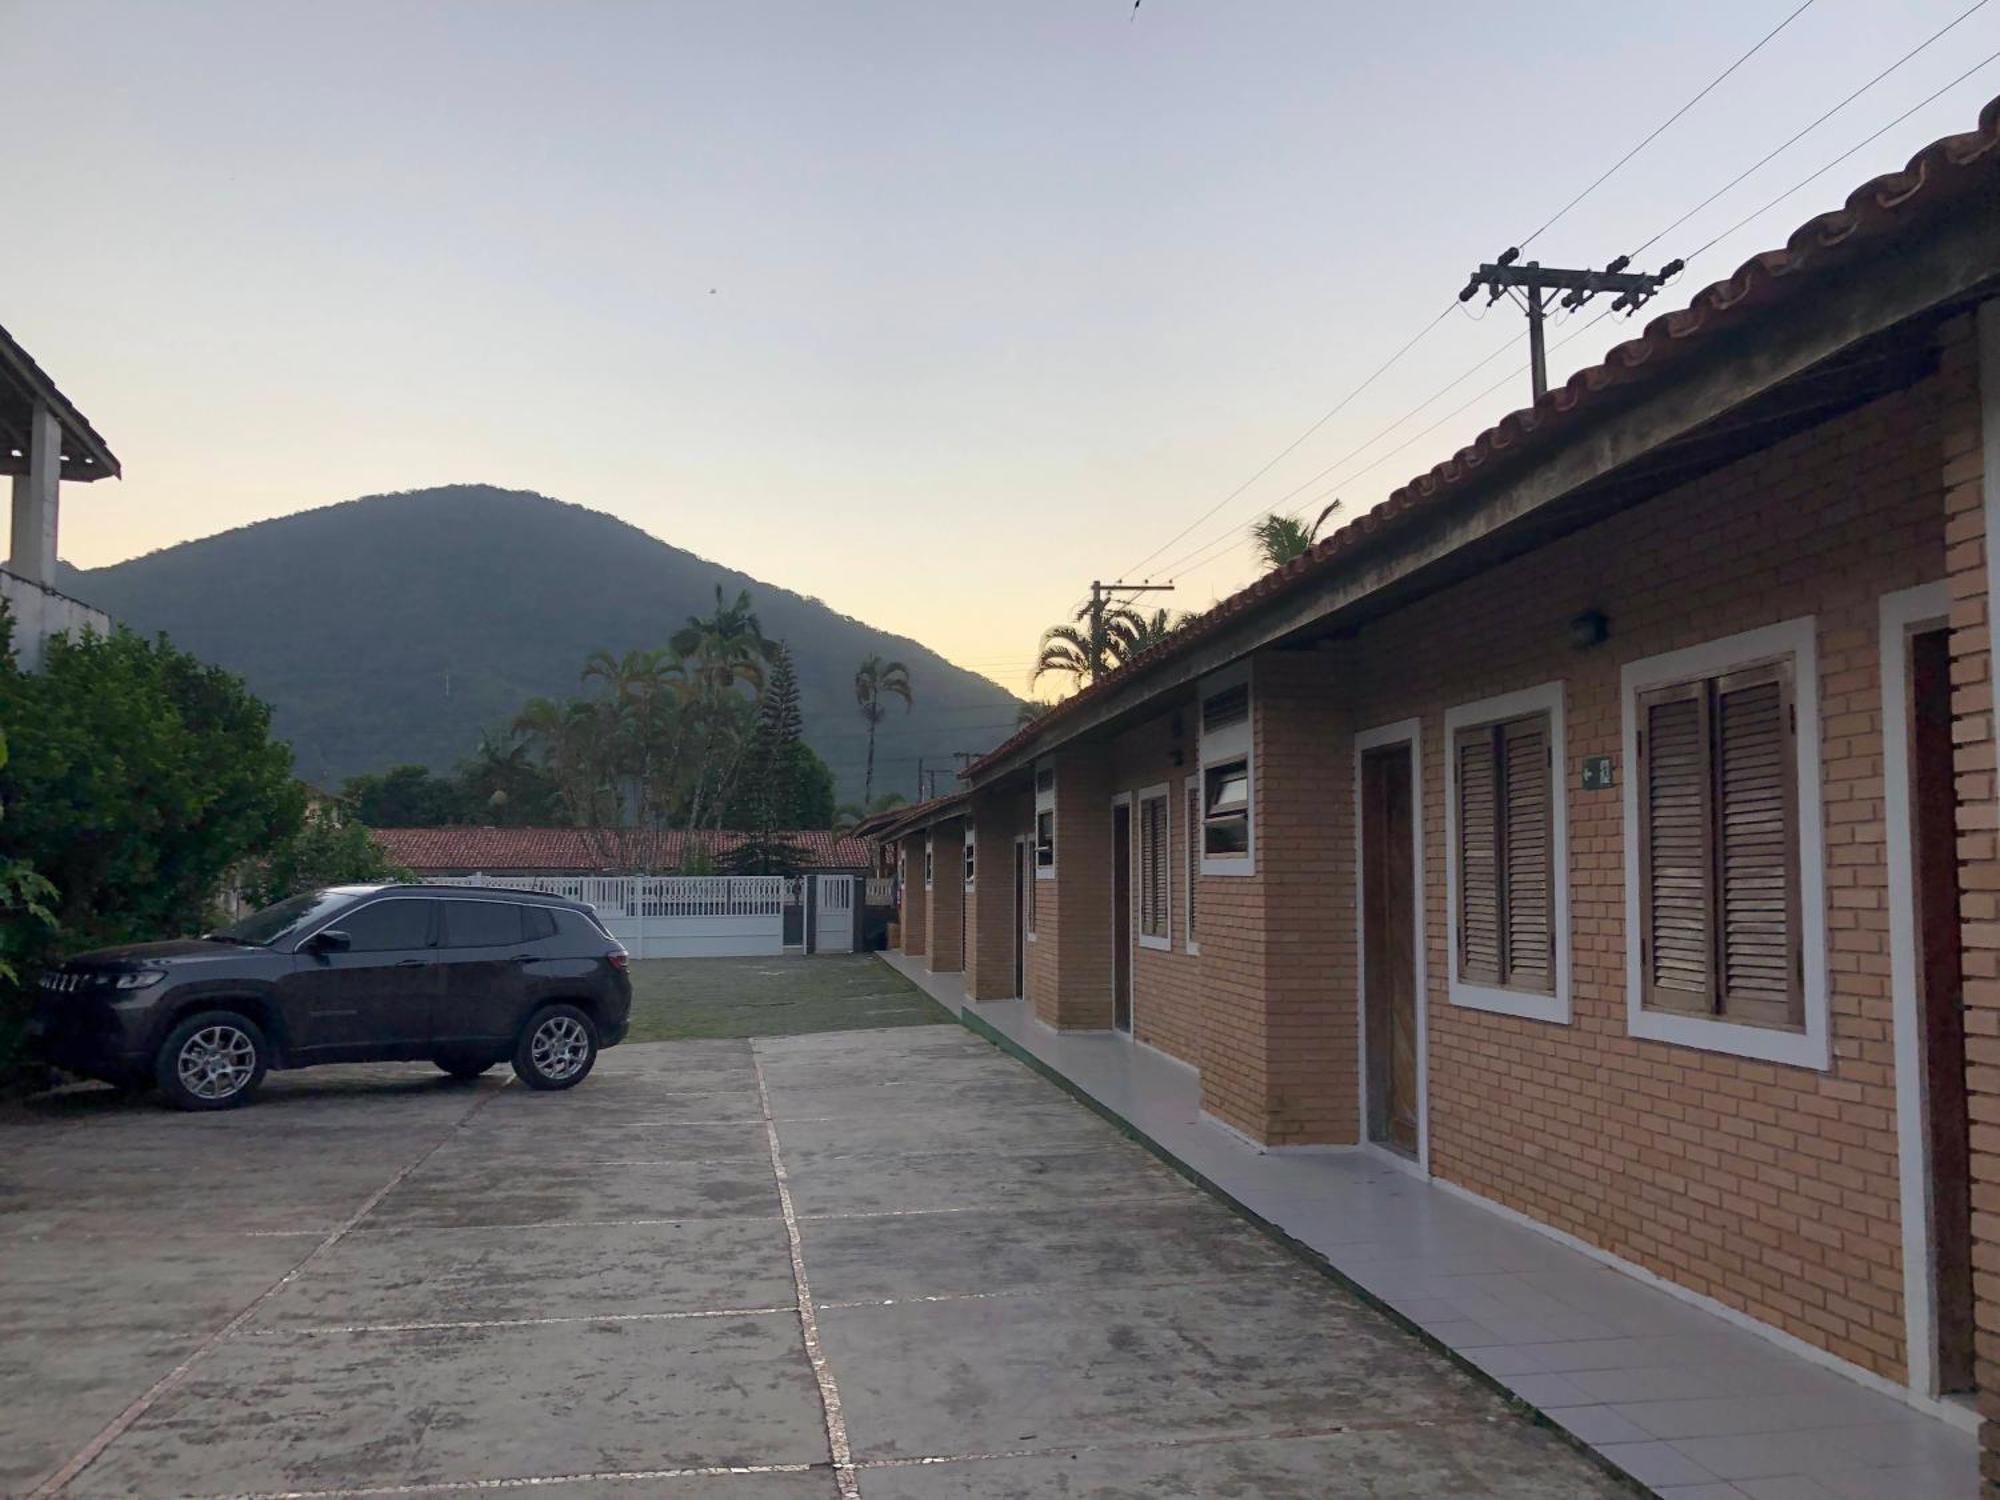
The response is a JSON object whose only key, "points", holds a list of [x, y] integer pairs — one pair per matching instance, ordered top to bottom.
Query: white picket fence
{"points": [[881, 890], [673, 916]]}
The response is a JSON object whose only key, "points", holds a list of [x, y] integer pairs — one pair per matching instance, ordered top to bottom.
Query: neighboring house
{"points": [[44, 440], [1605, 824], [471, 850]]}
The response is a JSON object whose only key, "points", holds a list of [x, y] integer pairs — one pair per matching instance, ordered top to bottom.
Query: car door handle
{"points": [[524, 958], [413, 963]]}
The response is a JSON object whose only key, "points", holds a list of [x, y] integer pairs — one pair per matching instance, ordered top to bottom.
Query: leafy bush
{"points": [[139, 779], [325, 851]]}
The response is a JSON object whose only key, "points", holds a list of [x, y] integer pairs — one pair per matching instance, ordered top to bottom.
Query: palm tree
{"points": [[1281, 538], [1143, 632], [1098, 640], [721, 652], [875, 682]]}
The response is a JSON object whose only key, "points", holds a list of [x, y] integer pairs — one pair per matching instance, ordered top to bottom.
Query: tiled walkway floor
{"points": [[1681, 1399]]}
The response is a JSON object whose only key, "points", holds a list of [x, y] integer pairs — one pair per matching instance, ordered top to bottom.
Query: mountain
{"points": [[396, 627]]}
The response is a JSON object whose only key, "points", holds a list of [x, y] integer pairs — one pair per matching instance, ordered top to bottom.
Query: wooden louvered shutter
{"points": [[1191, 842], [1757, 849], [1478, 857], [1676, 860], [1158, 870], [1525, 885]]}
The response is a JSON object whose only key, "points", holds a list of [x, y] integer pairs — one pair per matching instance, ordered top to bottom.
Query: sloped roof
{"points": [[1895, 205], [85, 454], [918, 814], [578, 850]]}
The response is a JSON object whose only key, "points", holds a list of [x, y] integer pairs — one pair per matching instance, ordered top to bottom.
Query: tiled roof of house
{"points": [[1948, 171], [917, 814], [572, 850]]}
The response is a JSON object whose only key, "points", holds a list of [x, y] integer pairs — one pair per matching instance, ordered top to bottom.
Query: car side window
{"points": [[537, 923], [481, 924], [386, 926]]}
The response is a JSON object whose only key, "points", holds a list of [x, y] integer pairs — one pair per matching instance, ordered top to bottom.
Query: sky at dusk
{"points": [[935, 310]]}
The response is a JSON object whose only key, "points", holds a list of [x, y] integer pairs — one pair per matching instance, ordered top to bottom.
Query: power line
{"points": [[1657, 130], [1801, 134], [1807, 181], [1331, 412]]}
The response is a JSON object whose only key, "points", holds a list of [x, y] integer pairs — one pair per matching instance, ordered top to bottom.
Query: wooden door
{"points": [[1021, 878], [1388, 910], [1121, 916], [1947, 1129]]}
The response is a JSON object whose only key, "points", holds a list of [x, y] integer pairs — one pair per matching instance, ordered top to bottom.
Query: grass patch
{"points": [[675, 999]]}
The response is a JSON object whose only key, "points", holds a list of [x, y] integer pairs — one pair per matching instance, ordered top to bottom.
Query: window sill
{"points": [[1228, 864], [1045, 872], [1029, 936], [1157, 944], [1193, 950], [1500, 1002], [1796, 1049]]}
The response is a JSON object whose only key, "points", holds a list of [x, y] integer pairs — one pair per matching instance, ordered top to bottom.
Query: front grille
{"points": [[62, 982]]}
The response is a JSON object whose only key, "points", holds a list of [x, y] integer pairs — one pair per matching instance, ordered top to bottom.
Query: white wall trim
{"points": [[1900, 611], [1546, 698], [1404, 732], [1238, 742], [1164, 794], [1124, 800], [1191, 863], [1812, 1048], [1961, 1416]]}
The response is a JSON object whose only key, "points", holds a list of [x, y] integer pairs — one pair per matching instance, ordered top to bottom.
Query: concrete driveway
{"points": [[947, 1275]]}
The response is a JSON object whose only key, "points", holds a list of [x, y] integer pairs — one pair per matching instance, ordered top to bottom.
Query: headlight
{"points": [[143, 979]]}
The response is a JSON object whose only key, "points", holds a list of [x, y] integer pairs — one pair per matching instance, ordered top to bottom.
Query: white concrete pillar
{"points": [[33, 553]]}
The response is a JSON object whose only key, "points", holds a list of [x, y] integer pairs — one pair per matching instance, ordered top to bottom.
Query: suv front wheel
{"points": [[557, 1048], [213, 1060]]}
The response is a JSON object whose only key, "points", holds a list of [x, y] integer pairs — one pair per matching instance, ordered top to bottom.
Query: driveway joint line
{"points": [[978, 1208], [569, 1224], [1048, 1292], [299, 1330], [120, 1424], [844, 1473], [522, 1482]]}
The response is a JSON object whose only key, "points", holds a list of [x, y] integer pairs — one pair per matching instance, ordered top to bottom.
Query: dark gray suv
{"points": [[464, 977]]}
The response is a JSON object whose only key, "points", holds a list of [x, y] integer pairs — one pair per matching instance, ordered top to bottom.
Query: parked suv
{"points": [[462, 976]]}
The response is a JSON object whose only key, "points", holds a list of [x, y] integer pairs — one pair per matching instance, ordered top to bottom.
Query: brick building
{"points": [[1605, 824]]}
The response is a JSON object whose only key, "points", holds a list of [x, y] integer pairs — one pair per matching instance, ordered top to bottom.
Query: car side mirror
{"points": [[329, 940]]}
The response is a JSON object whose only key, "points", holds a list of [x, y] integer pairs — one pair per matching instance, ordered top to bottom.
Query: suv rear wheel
{"points": [[557, 1048], [213, 1060]]}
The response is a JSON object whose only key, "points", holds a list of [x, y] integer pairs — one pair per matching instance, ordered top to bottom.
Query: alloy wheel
{"points": [[560, 1048], [217, 1062]]}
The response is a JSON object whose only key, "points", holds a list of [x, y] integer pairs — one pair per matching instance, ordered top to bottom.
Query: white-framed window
{"points": [[1045, 822], [1154, 823], [1228, 836], [971, 847], [1507, 854], [1191, 856], [930, 858], [1725, 867]]}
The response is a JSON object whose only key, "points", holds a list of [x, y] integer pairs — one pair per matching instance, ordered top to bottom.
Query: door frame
{"points": [[1901, 613], [1403, 732], [1124, 800], [1023, 872]]}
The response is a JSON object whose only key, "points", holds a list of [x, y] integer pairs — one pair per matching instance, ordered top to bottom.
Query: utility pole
{"points": [[1537, 280], [1100, 597]]}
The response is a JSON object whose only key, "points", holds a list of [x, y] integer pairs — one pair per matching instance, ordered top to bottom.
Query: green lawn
{"points": [[677, 998]]}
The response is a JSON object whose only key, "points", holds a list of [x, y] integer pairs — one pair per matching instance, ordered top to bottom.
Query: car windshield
{"points": [[295, 914]]}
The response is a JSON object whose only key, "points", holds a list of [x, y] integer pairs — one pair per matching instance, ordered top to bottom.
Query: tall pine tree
{"points": [[773, 772]]}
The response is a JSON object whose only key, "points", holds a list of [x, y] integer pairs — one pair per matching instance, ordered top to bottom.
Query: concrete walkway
{"points": [[871, 1265], [1677, 1396]]}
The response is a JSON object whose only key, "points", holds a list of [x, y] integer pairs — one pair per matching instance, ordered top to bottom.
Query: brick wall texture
{"points": [[1772, 1189]]}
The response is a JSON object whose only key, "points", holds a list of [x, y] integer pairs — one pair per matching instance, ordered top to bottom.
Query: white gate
{"points": [[671, 916], [833, 924]]}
